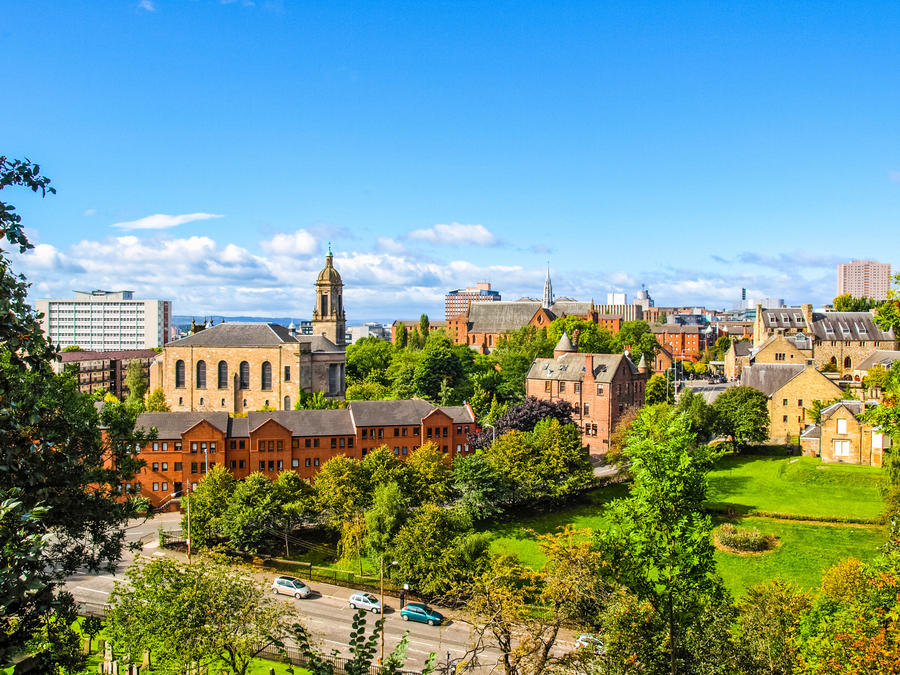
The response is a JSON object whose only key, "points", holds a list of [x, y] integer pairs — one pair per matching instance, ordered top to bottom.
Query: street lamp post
{"points": [[493, 432], [186, 492], [381, 658]]}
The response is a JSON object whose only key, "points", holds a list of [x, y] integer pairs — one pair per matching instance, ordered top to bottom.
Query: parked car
{"points": [[290, 586], [365, 601], [416, 611], [591, 642]]}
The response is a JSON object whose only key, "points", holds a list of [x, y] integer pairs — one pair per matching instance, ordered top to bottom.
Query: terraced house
{"points": [[189, 443]]}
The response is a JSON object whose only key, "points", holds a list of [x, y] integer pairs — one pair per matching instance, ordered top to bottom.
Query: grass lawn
{"points": [[796, 485], [805, 551]]}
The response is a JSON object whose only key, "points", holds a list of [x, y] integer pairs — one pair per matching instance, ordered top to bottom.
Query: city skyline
{"points": [[206, 152]]}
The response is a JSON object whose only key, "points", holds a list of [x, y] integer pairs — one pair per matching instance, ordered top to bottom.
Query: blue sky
{"points": [[695, 147]]}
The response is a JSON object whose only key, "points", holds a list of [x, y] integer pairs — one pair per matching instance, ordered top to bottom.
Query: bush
{"points": [[745, 540]]}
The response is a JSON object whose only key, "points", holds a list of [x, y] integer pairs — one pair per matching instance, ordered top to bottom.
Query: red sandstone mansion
{"points": [[601, 388], [187, 443]]}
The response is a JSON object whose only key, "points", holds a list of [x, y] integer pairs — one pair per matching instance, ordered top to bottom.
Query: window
{"points": [[779, 356], [847, 362], [287, 373], [179, 374], [201, 374], [223, 375], [266, 375], [244, 376], [547, 385], [562, 387], [576, 387], [600, 390], [201, 400], [287, 402], [785, 402], [800, 402], [223, 403], [587, 409], [784, 418], [842, 426], [593, 429], [396, 431], [404, 431], [416, 431], [428, 432], [445, 432], [365, 434], [380, 434], [877, 441], [307, 442], [315, 442], [333, 442], [342, 442], [350, 442], [295, 443], [241, 444], [234, 445], [279, 445], [165, 446], [177, 446], [194, 446], [203, 446], [212, 446], [260, 446], [271, 446], [155, 447], [459, 447], [841, 448], [396, 450], [404, 450], [308, 461], [316, 462], [234, 464], [262, 465], [281, 465], [155, 466], [165, 466], [177, 466], [193, 467], [156, 487], [165, 487]]}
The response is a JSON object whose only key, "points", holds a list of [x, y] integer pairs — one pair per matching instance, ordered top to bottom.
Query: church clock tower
{"points": [[328, 314]]}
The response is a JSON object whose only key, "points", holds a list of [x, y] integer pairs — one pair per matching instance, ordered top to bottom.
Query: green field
{"points": [[747, 483], [796, 485]]}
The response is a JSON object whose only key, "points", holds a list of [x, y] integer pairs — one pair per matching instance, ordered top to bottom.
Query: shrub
{"points": [[745, 540]]}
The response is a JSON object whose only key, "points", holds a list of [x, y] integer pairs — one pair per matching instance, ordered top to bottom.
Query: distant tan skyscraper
{"points": [[864, 279], [457, 302]]}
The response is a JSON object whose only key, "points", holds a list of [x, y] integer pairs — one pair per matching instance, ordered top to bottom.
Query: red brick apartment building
{"points": [[684, 342], [601, 387], [187, 443]]}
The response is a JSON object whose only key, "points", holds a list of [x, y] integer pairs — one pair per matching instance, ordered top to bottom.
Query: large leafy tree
{"points": [[847, 303], [592, 338], [369, 356], [439, 365], [136, 383], [743, 414], [524, 417], [55, 459], [429, 475], [342, 489], [481, 492], [208, 503], [389, 511], [252, 514], [659, 545], [209, 614]]}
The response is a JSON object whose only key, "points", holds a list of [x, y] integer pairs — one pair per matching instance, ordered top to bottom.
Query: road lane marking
{"points": [[92, 590]]}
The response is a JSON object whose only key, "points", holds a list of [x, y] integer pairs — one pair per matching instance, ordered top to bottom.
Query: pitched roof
{"points": [[500, 317], [784, 317], [848, 326], [677, 328], [252, 335], [564, 344], [742, 347], [71, 357], [880, 357], [572, 367], [770, 377], [853, 407], [381, 413], [459, 413], [306, 422], [171, 425], [812, 431]]}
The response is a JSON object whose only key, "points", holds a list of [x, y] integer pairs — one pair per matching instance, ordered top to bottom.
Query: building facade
{"points": [[864, 279], [458, 302], [329, 320], [105, 321], [684, 342], [95, 371], [601, 388], [840, 437], [188, 444]]}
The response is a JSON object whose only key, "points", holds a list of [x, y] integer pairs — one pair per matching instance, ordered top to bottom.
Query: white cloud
{"points": [[147, 5], [89, 212], [161, 221], [455, 234], [300, 242], [388, 245]]}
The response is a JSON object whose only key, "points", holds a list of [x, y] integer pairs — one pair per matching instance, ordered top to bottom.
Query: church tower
{"points": [[547, 301], [328, 314]]}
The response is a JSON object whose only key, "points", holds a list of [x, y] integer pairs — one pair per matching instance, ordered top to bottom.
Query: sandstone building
{"points": [[238, 367], [601, 388], [841, 437]]}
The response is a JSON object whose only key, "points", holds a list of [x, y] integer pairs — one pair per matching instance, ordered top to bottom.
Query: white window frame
{"points": [[840, 448]]}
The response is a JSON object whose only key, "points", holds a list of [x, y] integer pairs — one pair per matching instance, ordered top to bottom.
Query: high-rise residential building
{"points": [[864, 279], [616, 299], [457, 302], [104, 321]]}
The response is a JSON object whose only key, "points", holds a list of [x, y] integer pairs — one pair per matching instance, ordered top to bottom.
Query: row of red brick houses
{"points": [[188, 443]]}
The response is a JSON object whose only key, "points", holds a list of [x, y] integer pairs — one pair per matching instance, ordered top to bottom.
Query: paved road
{"points": [[709, 391], [326, 613]]}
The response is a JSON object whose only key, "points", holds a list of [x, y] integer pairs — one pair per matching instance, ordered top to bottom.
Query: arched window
{"points": [[847, 362], [179, 373], [201, 374], [223, 375], [245, 375], [266, 375], [287, 402]]}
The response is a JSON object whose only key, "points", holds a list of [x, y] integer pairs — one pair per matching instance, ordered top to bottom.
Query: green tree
{"points": [[847, 303], [424, 326], [402, 336], [592, 338], [639, 338], [72, 348], [514, 354], [367, 356], [439, 364], [402, 373], [876, 376], [136, 384], [656, 389], [367, 391], [315, 401], [156, 402], [699, 412], [743, 414], [54, 456], [381, 466], [430, 478], [342, 489], [481, 492], [295, 502], [208, 503], [252, 513], [387, 514], [659, 545], [209, 614], [57, 643]]}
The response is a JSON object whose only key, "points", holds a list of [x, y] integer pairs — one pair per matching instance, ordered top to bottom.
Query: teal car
{"points": [[416, 611]]}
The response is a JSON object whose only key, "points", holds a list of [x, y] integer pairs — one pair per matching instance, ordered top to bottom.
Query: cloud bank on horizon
{"points": [[387, 279]]}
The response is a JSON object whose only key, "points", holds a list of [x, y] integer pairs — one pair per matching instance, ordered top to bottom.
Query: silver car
{"points": [[290, 586], [365, 601]]}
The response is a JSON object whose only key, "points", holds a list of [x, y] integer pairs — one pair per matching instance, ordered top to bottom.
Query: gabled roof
{"points": [[500, 317], [784, 317], [848, 326], [252, 335], [741, 347], [70, 357], [880, 357], [572, 367], [770, 377], [852, 406], [381, 413], [459, 413], [307, 422], [171, 425], [812, 431]]}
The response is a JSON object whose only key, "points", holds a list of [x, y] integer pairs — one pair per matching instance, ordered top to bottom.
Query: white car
{"points": [[290, 586], [365, 601], [591, 642]]}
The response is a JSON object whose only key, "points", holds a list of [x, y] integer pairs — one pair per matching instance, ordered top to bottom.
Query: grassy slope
{"points": [[765, 483], [797, 485]]}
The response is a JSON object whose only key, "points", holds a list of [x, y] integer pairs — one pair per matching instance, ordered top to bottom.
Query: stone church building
{"points": [[240, 367]]}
